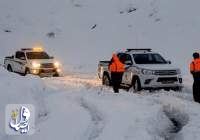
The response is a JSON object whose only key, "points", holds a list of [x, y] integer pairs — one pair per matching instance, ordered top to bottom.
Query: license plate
{"points": [[48, 71], [167, 82]]}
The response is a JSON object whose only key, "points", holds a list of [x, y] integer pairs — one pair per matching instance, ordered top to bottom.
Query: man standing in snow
{"points": [[117, 69], [195, 71]]}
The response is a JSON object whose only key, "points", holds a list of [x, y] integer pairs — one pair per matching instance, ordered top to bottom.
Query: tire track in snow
{"points": [[75, 81], [174, 110], [178, 119], [97, 120], [97, 123]]}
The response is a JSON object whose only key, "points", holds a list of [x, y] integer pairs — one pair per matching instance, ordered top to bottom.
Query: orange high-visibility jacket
{"points": [[116, 65], [195, 65]]}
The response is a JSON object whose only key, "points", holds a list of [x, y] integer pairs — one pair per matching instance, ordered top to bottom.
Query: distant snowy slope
{"points": [[87, 31]]}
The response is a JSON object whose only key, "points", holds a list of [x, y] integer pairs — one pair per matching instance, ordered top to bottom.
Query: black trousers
{"points": [[116, 78], [196, 86], [196, 91]]}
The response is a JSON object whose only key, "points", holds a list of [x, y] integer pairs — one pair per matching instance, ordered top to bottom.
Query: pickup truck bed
{"points": [[9, 57], [103, 65]]}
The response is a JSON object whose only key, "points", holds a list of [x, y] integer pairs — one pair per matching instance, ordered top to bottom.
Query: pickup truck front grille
{"points": [[47, 65], [166, 72], [167, 79]]}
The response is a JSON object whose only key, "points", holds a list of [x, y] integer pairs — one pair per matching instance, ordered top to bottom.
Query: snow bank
{"points": [[16, 89], [78, 107]]}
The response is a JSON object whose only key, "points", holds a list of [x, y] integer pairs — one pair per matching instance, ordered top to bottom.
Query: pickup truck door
{"points": [[19, 62], [127, 76]]}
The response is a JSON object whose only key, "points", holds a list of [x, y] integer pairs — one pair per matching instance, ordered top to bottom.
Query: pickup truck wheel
{"points": [[9, 68], [27, 71], [106, 80], [136, 85]]}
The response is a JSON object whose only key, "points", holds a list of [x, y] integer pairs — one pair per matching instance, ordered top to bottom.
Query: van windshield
{"points": [[37, 55], [151, 58]]}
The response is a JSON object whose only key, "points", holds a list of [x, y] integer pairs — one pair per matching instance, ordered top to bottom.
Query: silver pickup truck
{"points": [[144, 70]]}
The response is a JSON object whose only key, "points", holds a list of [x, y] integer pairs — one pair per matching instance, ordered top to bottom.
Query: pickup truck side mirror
{"points": [[22, 58], [128, 62], [169, 62]]}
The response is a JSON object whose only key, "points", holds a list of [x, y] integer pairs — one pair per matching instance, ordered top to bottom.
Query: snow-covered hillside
{"points": [[170, 27], [80, 33]]}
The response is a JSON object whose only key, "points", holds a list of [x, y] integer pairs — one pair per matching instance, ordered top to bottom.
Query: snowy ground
{"points": [[77, 107]]}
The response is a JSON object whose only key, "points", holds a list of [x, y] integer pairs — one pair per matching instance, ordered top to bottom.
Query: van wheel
{"points": [[9, 68], [106, 80], [136, 85]]}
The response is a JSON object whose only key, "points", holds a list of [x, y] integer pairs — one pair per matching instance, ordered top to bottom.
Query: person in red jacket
{"points": [[117, 68], [195, 71]]}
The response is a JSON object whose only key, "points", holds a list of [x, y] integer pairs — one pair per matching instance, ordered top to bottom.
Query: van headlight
{"points": [[56, 64], [36, 65], [147, 72]]}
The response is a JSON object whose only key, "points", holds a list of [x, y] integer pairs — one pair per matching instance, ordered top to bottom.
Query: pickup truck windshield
{"points": [[37, 55], [151, 58]]}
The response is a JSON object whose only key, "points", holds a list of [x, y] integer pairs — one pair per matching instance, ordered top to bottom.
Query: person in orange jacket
{"points": [[117, 68], [195, 71]]}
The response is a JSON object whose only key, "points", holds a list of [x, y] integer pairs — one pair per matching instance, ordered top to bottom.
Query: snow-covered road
{"points": [[78, 107]]}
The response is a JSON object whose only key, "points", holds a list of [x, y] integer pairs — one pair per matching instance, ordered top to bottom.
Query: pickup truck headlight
{"points": [[56, 64], [36, 65], [147, 72]]}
